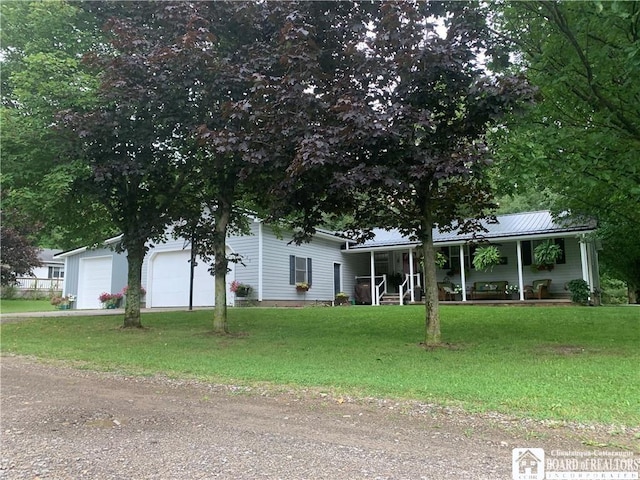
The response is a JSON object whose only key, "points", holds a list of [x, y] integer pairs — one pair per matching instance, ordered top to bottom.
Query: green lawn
{"points": [[20, 305], [569, 363]]}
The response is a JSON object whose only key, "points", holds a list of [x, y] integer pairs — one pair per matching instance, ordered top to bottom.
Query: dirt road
{"points": [[64, 423]]}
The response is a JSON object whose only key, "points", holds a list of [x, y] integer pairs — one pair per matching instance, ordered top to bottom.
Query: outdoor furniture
{"points": [[491, 290], [538, 290], [446, 291]]}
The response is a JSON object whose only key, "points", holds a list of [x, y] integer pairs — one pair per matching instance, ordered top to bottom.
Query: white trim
{"points": [[109, 241], [450, 243], [260, 261], [584, 261], [520, 273], [463, 275], [373, 280], [412, 280]]}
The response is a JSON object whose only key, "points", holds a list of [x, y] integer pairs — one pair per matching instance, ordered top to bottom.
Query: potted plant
{"points": [[545, 255], [485, 258], [302, 286], [241, 289], [342, 299], [110, 300], [63, 303]]}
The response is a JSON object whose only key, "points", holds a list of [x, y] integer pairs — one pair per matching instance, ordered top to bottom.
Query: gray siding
{"points": [[246, 246], [323, 252], [118, 272]]}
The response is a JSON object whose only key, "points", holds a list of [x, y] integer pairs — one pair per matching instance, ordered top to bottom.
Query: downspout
{"points": [[463, 275], [520, 276]]}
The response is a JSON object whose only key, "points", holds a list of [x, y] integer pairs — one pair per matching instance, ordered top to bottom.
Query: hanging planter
{"points": [[545, 255], [486, 258]]}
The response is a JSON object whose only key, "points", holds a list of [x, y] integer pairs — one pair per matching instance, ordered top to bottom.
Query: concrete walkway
{"points": [[15, 317]]}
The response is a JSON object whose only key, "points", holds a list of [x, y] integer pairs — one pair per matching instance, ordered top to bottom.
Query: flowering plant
{"points": [[302, 286], [457, 288], [126, 289], [240, 289], [512, 289], [110, 300], [62, 302]]}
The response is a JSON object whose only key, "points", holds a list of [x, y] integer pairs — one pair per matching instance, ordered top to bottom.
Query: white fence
{"points": [[40, 284]]}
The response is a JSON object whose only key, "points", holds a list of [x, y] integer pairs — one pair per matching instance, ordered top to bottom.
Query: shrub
{"points": [[579, 291]]}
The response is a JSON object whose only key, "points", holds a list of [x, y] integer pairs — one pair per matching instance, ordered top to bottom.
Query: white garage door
{"points": [[94, 279], [169, 281]]}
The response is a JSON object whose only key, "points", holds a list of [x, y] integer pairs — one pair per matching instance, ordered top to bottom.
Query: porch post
{"points": [[583, 261], [260, 271], [411, 273], [463, 276], [520, 277], [374, 300]]}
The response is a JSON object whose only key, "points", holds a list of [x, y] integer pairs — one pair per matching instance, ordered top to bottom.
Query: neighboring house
{"points": [[272, 265], [48, 276]]}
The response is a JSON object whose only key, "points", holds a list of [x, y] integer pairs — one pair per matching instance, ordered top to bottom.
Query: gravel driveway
{"points": [[64, 423]]}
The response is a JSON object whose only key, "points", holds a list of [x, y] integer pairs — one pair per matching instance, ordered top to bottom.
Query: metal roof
{"points": [[517, 225]]}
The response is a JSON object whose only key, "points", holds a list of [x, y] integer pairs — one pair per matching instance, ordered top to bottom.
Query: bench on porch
{"points": [[492, 290]]}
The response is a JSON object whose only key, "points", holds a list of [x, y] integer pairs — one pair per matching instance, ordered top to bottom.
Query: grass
{"points": [[23, 305], [565, 363]]}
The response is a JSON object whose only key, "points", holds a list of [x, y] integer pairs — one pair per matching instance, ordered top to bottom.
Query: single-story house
{"points": [[272, 266]]}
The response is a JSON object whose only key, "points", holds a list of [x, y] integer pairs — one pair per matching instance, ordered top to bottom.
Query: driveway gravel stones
{"points": [[58, 422]]}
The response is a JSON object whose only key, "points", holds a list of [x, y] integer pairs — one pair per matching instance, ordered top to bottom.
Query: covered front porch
{"points": [[390, 269]]}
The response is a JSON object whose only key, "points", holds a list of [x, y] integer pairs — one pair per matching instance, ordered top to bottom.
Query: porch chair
{"points": [[538, 290], [445, 291]]}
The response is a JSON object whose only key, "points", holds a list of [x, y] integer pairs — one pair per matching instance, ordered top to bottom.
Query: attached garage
{"points": [[94, 279], [168, 281]]}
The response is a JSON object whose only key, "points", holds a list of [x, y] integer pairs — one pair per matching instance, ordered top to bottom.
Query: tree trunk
{"points": [[135, 257], [220, 268], [432, 334]]}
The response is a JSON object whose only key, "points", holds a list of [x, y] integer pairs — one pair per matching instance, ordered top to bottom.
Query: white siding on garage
{"points": [[94, 279]]}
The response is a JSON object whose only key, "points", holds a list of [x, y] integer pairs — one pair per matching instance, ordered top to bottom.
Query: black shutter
{"points": [[526, 253], [562, 258], [292, 269], [309, 271]]}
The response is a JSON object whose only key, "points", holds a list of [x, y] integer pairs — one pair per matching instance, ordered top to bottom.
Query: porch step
{"points": [[390, 299]]}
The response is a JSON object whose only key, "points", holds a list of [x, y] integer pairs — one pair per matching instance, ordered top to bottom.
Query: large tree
{"points": [[42, 72], [582, 137], [401, 144]]}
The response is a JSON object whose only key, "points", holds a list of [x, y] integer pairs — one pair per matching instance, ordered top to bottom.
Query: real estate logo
{"points": [[528, 464]]}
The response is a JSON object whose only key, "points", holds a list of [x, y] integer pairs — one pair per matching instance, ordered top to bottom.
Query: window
{"points": [[299, 270], [56, 272]]}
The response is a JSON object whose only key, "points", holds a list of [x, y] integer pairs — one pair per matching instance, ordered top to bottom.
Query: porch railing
{"points": [[32, 283], [406, 286]]}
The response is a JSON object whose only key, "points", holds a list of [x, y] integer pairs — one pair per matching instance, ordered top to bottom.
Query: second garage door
{"points": [[169, 281]]}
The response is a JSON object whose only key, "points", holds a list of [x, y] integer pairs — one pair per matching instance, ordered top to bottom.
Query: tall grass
{"points": [[570, 363]]}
